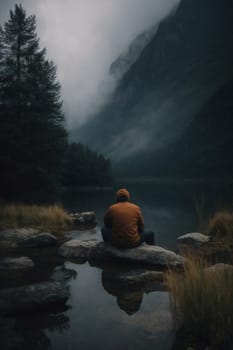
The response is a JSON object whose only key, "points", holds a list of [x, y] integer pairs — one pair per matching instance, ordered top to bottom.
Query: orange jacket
{"points": [[125, 221]]}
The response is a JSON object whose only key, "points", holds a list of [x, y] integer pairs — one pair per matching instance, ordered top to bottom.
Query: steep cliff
{"points": [[167, 93]]}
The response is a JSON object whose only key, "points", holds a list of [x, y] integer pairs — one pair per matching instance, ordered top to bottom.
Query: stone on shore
{"points": [[194, 239], [76, 248], [100, 251], [16, 263], [32, 297]]}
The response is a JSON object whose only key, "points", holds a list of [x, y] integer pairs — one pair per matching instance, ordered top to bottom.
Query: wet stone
{"points": [[16, 263], [32, 297]]}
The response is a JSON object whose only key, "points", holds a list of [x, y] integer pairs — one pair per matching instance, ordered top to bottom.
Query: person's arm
{"points": [[140, 221]]}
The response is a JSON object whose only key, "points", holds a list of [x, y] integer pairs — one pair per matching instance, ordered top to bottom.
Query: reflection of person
{"points": [[124, 223], [129, 299]]}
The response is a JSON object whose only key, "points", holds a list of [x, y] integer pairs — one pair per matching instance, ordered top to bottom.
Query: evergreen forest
{"points": [[36, 158]]}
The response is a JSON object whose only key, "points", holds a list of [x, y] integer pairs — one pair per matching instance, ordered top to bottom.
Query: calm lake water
{"points": [[100, 312]]}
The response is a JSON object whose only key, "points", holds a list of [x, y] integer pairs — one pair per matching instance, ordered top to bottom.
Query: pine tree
{"points": [[32, 135], [84, 167]]}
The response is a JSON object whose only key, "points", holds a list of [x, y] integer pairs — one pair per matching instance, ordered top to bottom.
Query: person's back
{"points": [[123, 222]]}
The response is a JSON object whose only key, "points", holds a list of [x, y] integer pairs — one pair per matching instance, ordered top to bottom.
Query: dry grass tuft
{"points": [[53, 218], [221, 225], [202, 302]]}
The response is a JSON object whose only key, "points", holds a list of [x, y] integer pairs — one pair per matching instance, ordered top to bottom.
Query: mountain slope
{"points": [[184, 66]]}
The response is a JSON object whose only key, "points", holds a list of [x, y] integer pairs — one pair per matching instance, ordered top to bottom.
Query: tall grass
{"points": [[53, 217], [220, 225], [202, 303]]}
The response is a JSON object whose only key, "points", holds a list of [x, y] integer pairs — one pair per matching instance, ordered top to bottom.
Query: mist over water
{"points": [[84, 38]]}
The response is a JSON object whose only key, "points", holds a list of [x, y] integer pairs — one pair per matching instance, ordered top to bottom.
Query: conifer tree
{"points": [[32, 135]]}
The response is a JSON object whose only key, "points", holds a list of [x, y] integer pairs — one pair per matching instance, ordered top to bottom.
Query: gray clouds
{"points": [[84, 37]]}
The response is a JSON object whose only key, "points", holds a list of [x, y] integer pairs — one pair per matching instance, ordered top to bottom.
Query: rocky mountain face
{"points": [[122, 64], [171, 113]]}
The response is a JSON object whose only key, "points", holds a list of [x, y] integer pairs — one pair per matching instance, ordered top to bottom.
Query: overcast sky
{"points": [[83, 37]]}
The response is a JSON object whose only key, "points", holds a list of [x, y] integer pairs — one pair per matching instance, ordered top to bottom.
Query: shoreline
{"points": [[172, 181]]}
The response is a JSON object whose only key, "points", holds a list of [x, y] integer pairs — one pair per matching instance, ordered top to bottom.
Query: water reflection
{"points": [[128, 293], [128, 299], [31, 330], [23, 333]]}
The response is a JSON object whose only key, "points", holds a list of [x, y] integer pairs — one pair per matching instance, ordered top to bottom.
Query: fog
{"points": [[84, 37]]}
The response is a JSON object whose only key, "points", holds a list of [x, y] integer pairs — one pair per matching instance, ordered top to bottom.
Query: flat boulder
{"points": [[43, 239], [194, 239], [76, 248], [100, 251], [144, 254], [20, 263], [32, 297]]}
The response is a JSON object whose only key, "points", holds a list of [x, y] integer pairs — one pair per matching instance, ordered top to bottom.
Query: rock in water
{"points": [[88, 217], [84, 218], [16, 234], [43, 239], [194, 239], [76, 248], [99, 251], [144, 254], [16, 263], [32, 297]]}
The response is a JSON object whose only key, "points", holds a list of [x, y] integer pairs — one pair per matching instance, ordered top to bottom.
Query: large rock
{"points": [[16, 234], [26, 237], [43, 239], [194, 239], [76, 248], [100, 251], [144, 254], [16, 263], [32, 297]]}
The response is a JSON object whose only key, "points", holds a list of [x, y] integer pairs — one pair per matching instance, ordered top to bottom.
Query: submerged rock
{"points": [[43, 239], [194, 239], [76, 248], [99, 251], [16, 263], [32, 297]]}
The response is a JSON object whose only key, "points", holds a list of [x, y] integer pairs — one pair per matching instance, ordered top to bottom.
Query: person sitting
{"points": [[124, 223]]}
